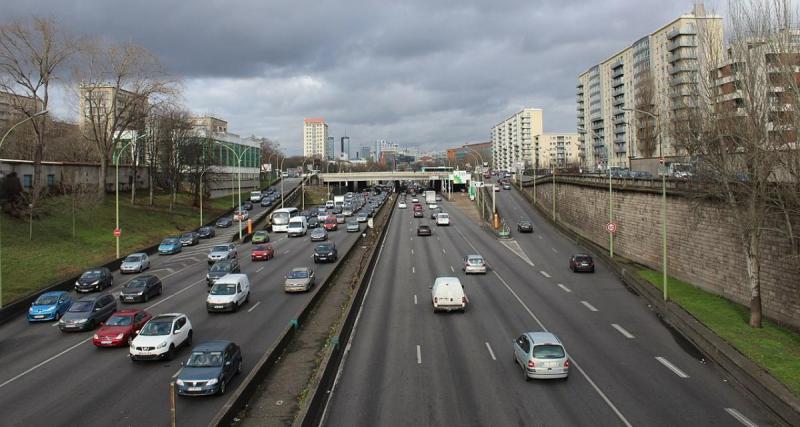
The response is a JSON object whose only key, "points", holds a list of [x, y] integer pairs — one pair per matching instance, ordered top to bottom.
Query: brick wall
{"points": [[702, 246]]}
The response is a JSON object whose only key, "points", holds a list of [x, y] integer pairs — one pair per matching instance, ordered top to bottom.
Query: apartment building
{"points": [[654, 75], [104, 106], [12, 107], [210, 124], [315, 138], [513, 140], [558, 150], [467, 153]]}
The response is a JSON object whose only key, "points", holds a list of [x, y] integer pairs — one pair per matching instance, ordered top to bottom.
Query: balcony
{"points": [[685, 29], [681, 42], [683, 54], [683, 68], [618, 72], [618, 101], [619, 119], [599, 144], [620, 149]]}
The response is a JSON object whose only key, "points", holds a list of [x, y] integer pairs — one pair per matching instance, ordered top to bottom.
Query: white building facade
{"points": [[315, 138], [513, 140]]}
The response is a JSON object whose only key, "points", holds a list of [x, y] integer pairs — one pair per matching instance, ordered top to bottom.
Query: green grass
{"points": [[54, 254], [772, 347]]}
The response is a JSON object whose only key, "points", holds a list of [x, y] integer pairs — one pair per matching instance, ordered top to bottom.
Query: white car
{"points": [[414, 200], [402, 205], [433, 206], [443, 218], [229, 292], [160, 337]]}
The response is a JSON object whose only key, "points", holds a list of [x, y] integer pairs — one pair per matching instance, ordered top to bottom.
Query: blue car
{"points": [[170, 245], [49, 306], [211, 366]]}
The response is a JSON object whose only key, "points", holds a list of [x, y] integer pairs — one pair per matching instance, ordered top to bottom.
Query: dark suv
{"points": [[325, 252], [581, 262], [221, 268], [94, 279], [86, 313]]}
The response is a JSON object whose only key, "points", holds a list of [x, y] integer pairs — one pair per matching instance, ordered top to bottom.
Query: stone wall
{"points": [[702, 246]]}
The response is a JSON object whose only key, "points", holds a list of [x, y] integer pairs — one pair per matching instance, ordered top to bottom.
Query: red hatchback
{"points": [[330, 223], [264, 252], [121, 327]]}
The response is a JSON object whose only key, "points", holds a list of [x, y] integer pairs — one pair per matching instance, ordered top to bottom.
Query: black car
{"points": [[266, 201], [247, 205], [434, 212], [418, 214], [224, 222], [312, 222], [524, 226], [424, 230], [206, 232], [190, 239], [325, 252], [581, 262], [221, 268], [94, 279], [141, 289], [86, 313], [209, 369]]}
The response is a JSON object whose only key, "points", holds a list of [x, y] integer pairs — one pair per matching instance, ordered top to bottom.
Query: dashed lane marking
{"points": [[452, 269], [544, 273], [566, 289], [415, 299], [254, 306], [589, 306], [622, 330], [491, 353], [419, 355], [672, 367], [741, 418]]}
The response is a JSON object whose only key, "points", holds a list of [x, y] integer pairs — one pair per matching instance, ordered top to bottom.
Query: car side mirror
{"points": [[209, 290], [97, 309], [176, 332], [228, 363]]}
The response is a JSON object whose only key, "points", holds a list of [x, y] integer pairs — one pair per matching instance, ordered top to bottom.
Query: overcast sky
{"points": [[427, 74]]}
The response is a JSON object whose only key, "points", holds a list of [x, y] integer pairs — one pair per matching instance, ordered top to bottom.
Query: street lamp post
{"points": [[2, 140], [115, 157], [238, 158], [663, 203]]}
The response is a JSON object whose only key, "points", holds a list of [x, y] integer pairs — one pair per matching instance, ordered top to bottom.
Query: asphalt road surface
{"points": [[409, 366], [52, 378]]}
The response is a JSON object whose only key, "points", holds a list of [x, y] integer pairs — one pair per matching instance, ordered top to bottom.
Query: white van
{"points": [[255, 196], [298, 226], [228, 293], [447, 294]]}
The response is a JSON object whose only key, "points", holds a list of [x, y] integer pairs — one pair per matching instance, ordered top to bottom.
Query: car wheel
{"points": [[160, 290], [146, 297], [247, 298], [235, 307], [90, 326], [189, 338], [171, 352], [239, 368], [525, 373], [222, 387]]}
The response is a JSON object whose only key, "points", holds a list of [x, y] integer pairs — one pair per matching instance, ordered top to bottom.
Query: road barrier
{"points": [[762, 387], [239, 397]]}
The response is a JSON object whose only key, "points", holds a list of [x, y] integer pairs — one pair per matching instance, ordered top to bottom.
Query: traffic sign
{"points": [[661, 160], [476, 184], [611, 227], [117, 232]]}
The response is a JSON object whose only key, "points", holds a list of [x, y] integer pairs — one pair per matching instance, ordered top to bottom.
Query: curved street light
{"points": [[115, 157], [238, 158]]}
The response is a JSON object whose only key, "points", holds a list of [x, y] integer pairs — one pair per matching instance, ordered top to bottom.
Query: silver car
{"points": [[352, 226], [319, 234], [218, 252], [135, 263], [474, 264], [300, 279], [541, 355]]}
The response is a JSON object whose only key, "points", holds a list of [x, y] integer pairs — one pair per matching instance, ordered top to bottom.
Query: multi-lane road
{"points": [[409, 366], [52, 378]]}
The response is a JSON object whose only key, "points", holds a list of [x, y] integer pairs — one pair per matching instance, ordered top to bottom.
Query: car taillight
{"points": [[435, 300], [463, 300], [531, 364], [566, 364]]}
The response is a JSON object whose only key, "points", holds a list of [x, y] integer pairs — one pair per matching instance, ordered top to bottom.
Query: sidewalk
{"points": [[467, 206]]}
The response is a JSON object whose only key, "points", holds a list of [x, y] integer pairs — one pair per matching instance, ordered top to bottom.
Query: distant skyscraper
{"points": [[315, 137], [346, 146], [329, 147]]}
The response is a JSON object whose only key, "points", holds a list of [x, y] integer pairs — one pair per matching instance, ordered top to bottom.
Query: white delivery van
{"points": [[255, 196], [298, 226], [228, 293], [447, 294]]}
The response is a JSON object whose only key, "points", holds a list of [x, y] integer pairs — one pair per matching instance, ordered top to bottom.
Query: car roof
{"points": [[137, 254], [586, 255], [474, 256], [301, 269], [53, 293], [94, 297], [128, 311], [167, 316], [543, 337], [216, 345]]}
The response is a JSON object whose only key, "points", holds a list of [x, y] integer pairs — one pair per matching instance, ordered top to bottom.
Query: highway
{"points": [[409, 366], [52, 378]]}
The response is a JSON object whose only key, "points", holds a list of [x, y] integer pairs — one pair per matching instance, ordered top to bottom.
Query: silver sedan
{"points": [[135, 263]]}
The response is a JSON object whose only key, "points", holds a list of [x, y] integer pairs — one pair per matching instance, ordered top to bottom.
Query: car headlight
{"points": [[95, 282], [77, 283], [140, 293], [62, 321], [82, 321], [119, 336], [96, 337], [162, 344], [179, 381], [212, 381]]}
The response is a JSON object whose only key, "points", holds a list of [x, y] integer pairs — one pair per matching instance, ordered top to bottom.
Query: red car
{"points": [[417, 207], [330, 223], [264, 252], [121, 327]]}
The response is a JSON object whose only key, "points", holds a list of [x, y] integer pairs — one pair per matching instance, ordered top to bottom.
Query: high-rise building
{"points": [[652, 75], [103, 106], [11, 107], [315, 137], [513, 140], [345, 142], [329, 150], [558, 150], [364, 152]]}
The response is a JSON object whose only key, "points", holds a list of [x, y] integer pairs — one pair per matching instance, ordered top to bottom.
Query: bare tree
{"points": [[119, 85], [644, 99], [728, 121]]}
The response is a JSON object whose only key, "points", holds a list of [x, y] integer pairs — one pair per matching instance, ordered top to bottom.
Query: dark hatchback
{"points": [[224, 222], [313, 222], [524, 226], [424, 230], [206, 232], [190, 239], [325, 252], [581, 262], [221, 268], [94, 280], [141, 289], [86, 313], [209, 369]]}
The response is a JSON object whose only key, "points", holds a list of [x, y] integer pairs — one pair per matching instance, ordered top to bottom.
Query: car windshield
{"points": [[443, 215], [204, 230], [189, 235], [169, 242], [260, 247], [220, 248], [324, 248], [133, 258], [582, 258], [475, 260], [221, 267], [91, 274], [298, 274], [136, 284], [223, 289], [46, 300], [81, 306], [119, 321], [156, 328], [548, 351], [205, 359]]}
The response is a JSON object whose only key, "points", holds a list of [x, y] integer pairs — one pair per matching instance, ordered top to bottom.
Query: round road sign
{"points": [[611, 227], [117, 232]]}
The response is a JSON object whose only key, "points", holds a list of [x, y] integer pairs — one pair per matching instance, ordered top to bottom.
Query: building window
{"points": [[51, 180], [27, 181]]}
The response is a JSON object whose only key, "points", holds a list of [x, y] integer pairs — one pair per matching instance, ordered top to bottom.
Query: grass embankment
{"points": [[55, 254], [772, 347]]}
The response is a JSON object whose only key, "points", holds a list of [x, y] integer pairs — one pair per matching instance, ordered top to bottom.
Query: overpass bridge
{"points": [[346, 177]]}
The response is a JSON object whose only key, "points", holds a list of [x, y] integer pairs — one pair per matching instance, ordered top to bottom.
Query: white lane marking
{"points": [[540, 236], [437, 237], [412, 239], [513, 246], [554, 250], [286, 251], [444, 251], [412, 252], [259, 269], [452, 269], [413, 270], [544, 273], [566, 289], [415, 299], [254, 306], [589, 306], [622, 330], [491, 353], [419, 356], [46, 361], [672, 367], [177, 373], [741, 418]]}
